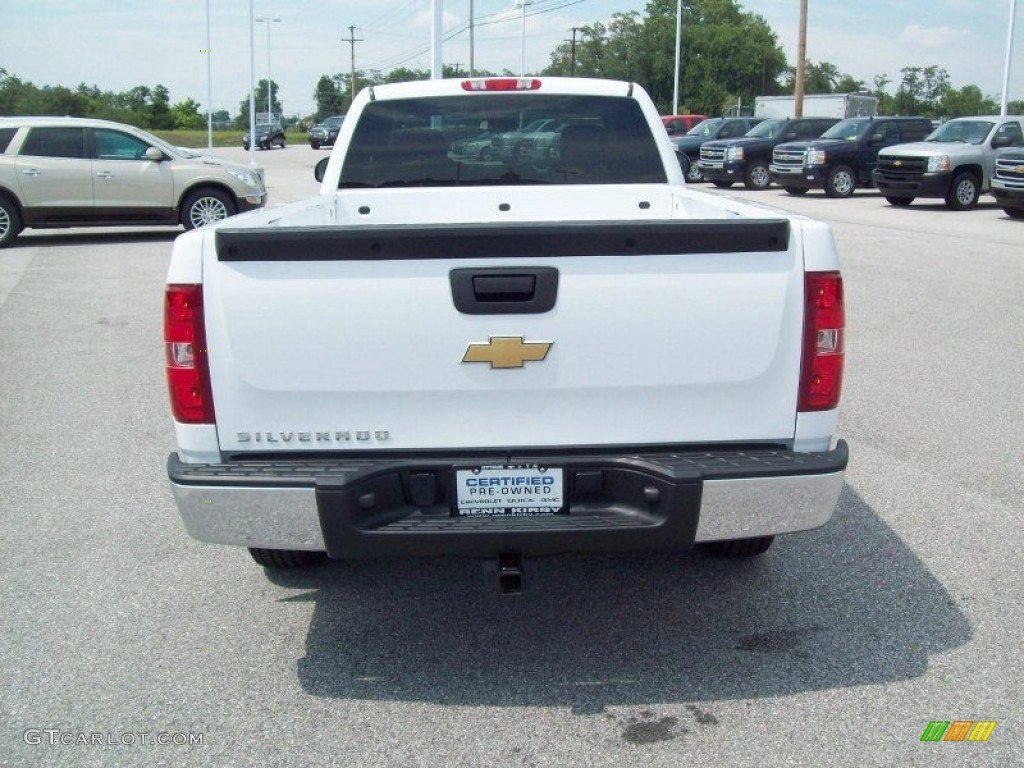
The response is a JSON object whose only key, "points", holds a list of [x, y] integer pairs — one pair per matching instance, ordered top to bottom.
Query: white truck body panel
{"points": [[840, 105], [695, 348]]}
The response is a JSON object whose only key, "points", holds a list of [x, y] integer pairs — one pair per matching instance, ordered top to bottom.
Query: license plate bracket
{"points": [[511, 490]]}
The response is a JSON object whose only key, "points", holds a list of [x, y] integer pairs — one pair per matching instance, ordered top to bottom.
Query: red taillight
{"points": [[502, 84], [821, 373], [188, 375]]}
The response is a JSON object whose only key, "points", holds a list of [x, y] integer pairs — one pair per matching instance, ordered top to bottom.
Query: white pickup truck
{"points": [[450, 355]]}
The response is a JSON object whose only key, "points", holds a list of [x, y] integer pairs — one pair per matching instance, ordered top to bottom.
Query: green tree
{"points": [[727, 55], [584, 58], [824, 77], [921, 91], [330, 96], [135, 99], [885, 99], [966, 101], [159, 111], [186, 115], [242, 121]]}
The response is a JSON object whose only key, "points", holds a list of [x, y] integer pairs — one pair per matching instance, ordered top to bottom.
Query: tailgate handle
{"points": [[504, 287], [504, 290]]}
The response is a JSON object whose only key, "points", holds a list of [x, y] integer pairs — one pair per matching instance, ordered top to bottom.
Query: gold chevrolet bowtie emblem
{"points": [[898, 163], [1018, 170], [507, 352]]}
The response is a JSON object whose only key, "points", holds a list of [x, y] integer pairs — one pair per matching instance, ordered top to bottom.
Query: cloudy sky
{"points": [[118, 44]]}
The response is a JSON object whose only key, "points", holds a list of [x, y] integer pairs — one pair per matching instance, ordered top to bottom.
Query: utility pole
{"points": [[352, 40], [801, 58], [572, 60], [472, 70], [675, 75]]}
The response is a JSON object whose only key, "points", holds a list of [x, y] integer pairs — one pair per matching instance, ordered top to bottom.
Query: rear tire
{"points": [[757, 176], [841, 181], [722, 184], [796, 190], [963, 193], [899, 202], [1013, 213], [10, 221], [739, 547], [284, 559]]}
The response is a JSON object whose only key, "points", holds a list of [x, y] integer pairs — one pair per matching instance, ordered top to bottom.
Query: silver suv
{"points": [[74, 172]]}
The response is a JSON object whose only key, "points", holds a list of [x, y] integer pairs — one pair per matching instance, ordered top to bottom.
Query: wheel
{"points": [[315, 144], [245, 146], [486, 153], [692, 171], [756, 176], [841, 181], [722, 184], [796, 190], [963, 193], [899, 202], [206, 206], [1013, 213], [10, 221], [739, 547], [284, 559]]}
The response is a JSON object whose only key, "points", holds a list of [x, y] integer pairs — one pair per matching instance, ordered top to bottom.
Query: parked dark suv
{"points": [[269, 133], [326, 133], [688, 145], [845, 155], [747, 159]]}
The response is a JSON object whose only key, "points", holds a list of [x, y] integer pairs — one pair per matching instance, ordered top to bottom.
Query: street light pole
{"points": [[522, 50], [1009, 54], [270, 82], [209, 83], [252, 86]]}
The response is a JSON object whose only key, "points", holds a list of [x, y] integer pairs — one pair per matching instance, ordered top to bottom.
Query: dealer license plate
{"points": [[513, 491]]}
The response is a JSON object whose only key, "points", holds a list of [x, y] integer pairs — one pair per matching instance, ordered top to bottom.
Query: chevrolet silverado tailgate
{"points": [[425, 329]]}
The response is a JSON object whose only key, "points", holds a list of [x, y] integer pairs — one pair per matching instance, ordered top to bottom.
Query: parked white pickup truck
{"points": [[449, 355]]}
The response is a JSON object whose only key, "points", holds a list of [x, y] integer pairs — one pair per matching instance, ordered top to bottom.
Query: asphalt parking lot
{"points": [[837, 648]]}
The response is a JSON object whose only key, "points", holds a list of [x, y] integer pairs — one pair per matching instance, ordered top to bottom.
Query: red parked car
{"points": [[677, 125]]}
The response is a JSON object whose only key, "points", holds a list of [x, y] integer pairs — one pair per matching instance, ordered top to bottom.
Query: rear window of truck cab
{"points": [[495, 139]]}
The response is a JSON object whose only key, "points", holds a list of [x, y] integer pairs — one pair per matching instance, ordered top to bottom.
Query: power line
{"points": [[498, 17]]}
